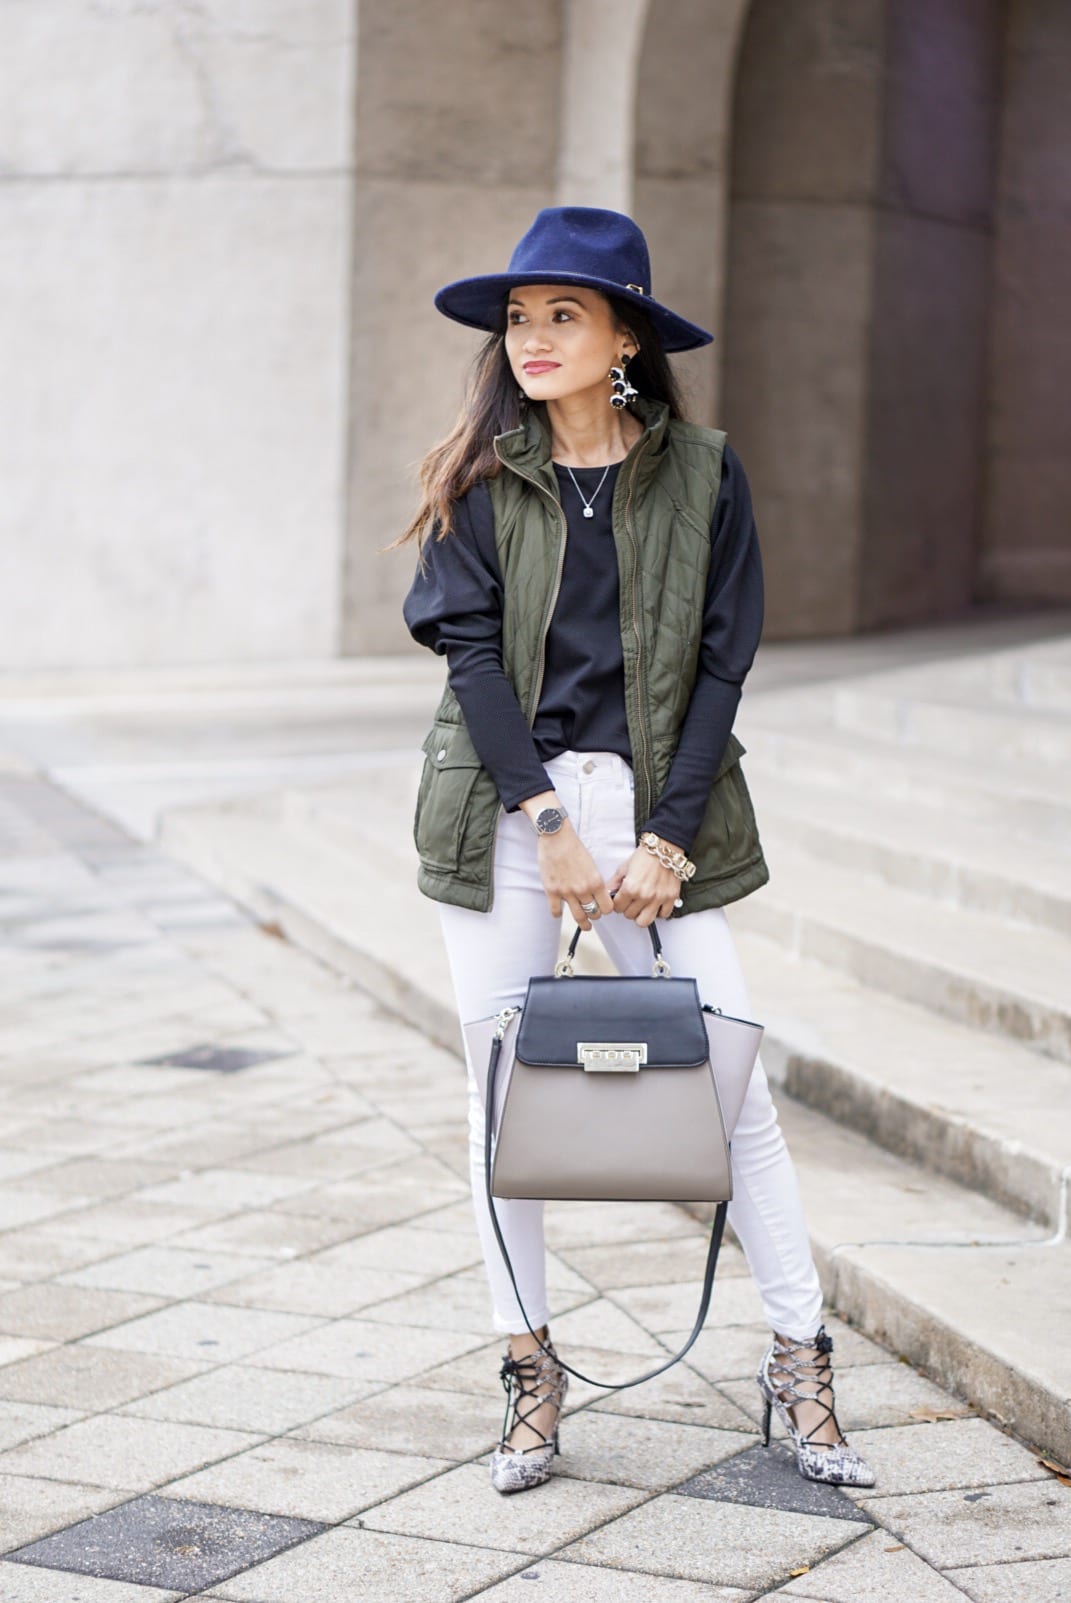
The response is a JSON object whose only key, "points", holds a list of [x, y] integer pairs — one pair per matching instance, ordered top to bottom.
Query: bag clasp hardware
{"points": [[611, 1057]]}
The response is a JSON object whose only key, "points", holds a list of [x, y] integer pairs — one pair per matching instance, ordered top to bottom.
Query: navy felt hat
{"points": [[584, 245]]}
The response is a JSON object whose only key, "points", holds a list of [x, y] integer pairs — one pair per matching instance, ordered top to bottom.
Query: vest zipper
{"points": [[528, 477], [639, 637]]}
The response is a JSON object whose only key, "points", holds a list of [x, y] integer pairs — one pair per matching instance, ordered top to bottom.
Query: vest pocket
{"points": [[451, 768]]}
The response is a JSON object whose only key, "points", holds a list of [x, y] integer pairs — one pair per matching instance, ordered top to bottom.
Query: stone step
{"points": [[945, 718], [793, 736], [927, 850], [985, 971], [987, 1113], [889, 1272], [956, 1285]]}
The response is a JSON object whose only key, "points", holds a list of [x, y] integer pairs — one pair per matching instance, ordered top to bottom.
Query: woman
{"points": [[590, 568]]}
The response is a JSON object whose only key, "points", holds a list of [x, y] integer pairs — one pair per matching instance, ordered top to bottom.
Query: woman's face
{"points": [[562, 339]]}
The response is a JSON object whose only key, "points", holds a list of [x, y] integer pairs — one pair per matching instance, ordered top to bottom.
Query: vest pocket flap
{"points": [[449, 746], [734, 750], [661, 1016]]}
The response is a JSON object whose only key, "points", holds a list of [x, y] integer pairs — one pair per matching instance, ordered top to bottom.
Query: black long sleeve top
{"points": [[455, 607]]}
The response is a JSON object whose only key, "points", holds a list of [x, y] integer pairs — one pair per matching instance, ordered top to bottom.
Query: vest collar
{"points": [[526, 449]]}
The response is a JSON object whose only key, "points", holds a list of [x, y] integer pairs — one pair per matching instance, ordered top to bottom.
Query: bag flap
{"points": [[664, 1014]]}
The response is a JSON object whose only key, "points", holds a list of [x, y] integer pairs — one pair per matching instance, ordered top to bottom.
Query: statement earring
{"points": [[623, 391]]}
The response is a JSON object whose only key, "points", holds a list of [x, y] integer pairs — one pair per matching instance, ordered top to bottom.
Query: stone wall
{"points": [[174, 246]]}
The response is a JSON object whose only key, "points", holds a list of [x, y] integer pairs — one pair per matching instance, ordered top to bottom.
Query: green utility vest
{"points": [[663, 505]]}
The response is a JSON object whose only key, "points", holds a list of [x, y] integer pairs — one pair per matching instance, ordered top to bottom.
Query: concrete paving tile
{"points": [[72, 1135], [366, 1141], [314, 1160], [14, 1162], [102, 1177], [225, 1190], [25, 1205], [366, 1207], [129, 1222], [586, 1224], [267, 1234], [426, 1252], [652, 1263], [165, 1271], [314, 1288], [454, 1303], [668, 1308], [63, 1313], [600, 1323], [202, 1330], [13, 1349], [360, 1350], [91, 1379], [867, 1395], [680, 1396], [235, 1397], [21, 1422], [454, 1425], [123, 1452], [649, 1453], [937, 1456], [768, 1478], [307, 1479], [462, 1505], [31, 1508], [960, 1528], [149, 1541], [724, 1544], [365, 1566], [878, 1569], [1037, 1581], [21, 1583], [579, 1583]]}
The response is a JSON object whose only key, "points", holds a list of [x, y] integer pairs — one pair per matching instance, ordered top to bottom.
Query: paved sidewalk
{"points": [[244, 1335]]}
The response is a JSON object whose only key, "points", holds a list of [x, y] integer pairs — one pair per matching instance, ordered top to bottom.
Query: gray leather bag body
{"points": [[613, 1089]]}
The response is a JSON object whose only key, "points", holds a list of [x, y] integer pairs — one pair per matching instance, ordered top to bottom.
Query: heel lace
{"points": [[797, 1372], [529, 1383]]}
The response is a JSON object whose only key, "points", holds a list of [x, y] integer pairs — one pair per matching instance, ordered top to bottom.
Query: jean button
{"points": [[589, 767]]}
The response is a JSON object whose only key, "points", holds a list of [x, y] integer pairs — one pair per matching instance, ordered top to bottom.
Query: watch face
{"points": [[550, 821]]}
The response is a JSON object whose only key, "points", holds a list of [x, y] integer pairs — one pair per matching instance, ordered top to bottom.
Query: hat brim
{"points": [[477, 302]]}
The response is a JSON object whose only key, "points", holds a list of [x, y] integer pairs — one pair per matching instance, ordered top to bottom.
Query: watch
{"points": [[550, 820]]}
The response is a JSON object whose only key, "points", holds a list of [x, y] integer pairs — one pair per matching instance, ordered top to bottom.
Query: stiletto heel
{"points": [[805, 1377], [537, 1378], [766, 1418]]}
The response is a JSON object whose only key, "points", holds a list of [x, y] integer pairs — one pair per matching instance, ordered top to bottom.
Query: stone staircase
{"points": [[911, 959]]}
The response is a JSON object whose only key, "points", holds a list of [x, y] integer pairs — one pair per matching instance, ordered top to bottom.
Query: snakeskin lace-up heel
{"points": [[796, 1372], [528, 1383]]}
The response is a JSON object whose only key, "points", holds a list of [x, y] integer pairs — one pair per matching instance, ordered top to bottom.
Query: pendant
{"points": [[589, 512]]}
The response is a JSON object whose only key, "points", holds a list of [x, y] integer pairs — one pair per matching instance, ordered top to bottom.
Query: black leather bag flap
{"points": [[665, 1014]]}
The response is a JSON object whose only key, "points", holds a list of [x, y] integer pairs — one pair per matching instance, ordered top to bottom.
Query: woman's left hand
{"points": [[643, 888]]}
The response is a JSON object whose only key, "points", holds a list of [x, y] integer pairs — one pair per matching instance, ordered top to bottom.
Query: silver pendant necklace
{"points": [[589, 506]]}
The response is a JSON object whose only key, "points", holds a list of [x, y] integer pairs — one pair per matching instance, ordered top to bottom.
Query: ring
{"points": [[678, 902], [589, 908]]}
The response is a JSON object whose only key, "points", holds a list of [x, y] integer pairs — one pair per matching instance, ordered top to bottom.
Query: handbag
{"points": [[640, 1082]]}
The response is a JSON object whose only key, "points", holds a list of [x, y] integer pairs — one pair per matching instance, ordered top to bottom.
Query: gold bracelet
{"points": [[668, 856]]}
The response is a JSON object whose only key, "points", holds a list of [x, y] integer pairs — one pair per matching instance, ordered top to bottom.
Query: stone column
{"points": [[600, 51], [683, 120], [456, 150], [856, 316], [1026, 541]]}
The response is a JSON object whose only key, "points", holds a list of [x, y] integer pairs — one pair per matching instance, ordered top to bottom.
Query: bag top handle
{"points": [[660, 969]]}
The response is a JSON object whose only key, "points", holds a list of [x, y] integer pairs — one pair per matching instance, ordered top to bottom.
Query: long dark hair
{"points": [[492, 405]]}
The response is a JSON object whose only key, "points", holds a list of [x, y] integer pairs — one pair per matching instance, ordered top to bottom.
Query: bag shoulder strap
{"points": [[716, 1232]]}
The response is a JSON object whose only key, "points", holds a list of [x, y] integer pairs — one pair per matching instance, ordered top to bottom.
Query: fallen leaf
{"points": [[932, 1415], [1062, 1474], [899, 1548], [804, 1569]]}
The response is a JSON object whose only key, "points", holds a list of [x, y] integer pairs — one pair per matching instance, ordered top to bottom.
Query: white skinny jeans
{"points": [[493, 954]]}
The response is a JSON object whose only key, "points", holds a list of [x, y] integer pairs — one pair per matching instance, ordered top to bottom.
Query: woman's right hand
{"points": [[569, 876]]}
